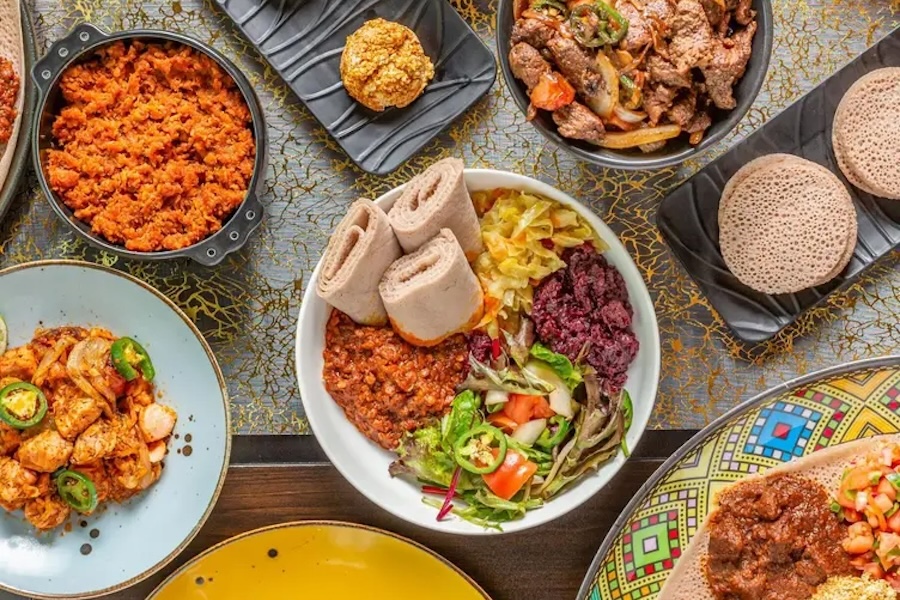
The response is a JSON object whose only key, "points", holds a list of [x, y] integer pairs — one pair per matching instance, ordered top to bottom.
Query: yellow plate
{"points": [[318, 559]]}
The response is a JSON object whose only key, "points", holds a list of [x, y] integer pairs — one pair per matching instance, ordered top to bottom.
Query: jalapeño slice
{"points": [[129, 357], [22, 405], [76, 490]]}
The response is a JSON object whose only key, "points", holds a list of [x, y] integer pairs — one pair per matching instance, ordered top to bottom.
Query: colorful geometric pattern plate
{"points": [[797, 418], [318, 560]]}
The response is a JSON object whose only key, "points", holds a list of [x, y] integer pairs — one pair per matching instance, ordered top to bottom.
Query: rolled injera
{"points": [[12, 49], [435, 199], [360, 250], [432, 293]]}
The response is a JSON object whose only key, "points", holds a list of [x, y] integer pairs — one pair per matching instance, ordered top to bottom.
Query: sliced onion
{"points": [[604, 101], [629, 116], [638, 137], [52, 355], [87, 359], [493, 397], [560, 398], [529, 432], [451, 492]]}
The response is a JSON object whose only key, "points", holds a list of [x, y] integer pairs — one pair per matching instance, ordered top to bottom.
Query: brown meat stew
{"points": [[631, 73], [774, 538]]}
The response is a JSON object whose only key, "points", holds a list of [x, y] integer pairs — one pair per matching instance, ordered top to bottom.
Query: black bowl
{"points": [[82, 42], [675, 151]]}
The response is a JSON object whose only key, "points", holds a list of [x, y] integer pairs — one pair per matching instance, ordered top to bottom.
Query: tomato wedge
{"points": [[552, 92], [522, 408], [502, 422], [509, 477]]}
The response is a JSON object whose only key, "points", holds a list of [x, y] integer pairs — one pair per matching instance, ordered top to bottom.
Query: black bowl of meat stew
{"points": [[663, 88]]}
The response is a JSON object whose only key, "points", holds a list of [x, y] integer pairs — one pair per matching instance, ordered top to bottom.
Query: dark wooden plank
{"points": [[305, 450], [547, 563]]}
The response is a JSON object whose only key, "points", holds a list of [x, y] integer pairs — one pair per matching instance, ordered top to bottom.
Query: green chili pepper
{"points": [[545, 4], [597, 24], [128, 357], [22, 405], [557, 430], [475, 451], [76, 490], [835, 507]]}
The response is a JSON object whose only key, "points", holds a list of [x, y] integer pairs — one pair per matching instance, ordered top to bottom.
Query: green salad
{"points": [[515, 437]]}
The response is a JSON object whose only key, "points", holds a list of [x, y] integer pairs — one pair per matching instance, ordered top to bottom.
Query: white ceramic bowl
{"points": [[365, 465], [137, 538]]}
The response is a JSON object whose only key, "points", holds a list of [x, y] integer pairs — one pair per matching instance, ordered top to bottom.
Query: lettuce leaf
{"points": [[559, 363]]}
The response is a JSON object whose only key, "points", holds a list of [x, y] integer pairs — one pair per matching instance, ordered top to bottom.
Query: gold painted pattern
{"points": [[247, 307]]}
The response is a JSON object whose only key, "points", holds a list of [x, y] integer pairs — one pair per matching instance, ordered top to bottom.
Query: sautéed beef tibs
{"points": [[631, 73], [499, 381]]}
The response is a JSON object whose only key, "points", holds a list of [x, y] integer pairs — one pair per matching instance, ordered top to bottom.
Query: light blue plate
{"points": [[141, 536]]}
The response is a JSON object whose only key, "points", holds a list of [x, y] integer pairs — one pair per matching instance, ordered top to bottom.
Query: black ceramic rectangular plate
{"points": [[303, 41], [688, 217]]}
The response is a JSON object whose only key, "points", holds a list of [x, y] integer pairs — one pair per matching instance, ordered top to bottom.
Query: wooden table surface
{"points": [[278, 479], [557, 554]]}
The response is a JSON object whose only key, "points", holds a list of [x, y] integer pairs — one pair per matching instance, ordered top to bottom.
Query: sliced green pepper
{"points": [[545, 4], [597, 24], [128, 357], [22, 405], [556, 431], [475, 451], [76, 490]]}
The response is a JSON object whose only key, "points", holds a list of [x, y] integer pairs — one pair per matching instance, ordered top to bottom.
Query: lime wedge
{"points": [[3, 335]]}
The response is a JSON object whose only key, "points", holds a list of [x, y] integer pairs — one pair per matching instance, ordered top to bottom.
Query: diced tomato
{"points": [[552, 92], [519, 407], [541, 409], [502, 422], [509, 478], [857, 478], [885, 487], [882, 502], [852, 516], [893, 522], [874, 570]]}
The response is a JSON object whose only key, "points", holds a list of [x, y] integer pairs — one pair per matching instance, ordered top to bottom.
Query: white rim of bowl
{"points": [[612, 241]]}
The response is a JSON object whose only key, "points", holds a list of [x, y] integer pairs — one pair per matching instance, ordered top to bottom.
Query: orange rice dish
{"points": [[153, 147]]}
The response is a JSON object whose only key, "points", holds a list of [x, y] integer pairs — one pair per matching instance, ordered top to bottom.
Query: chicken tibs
{"points": [[642, 72], [79, 424], [46, 452]]}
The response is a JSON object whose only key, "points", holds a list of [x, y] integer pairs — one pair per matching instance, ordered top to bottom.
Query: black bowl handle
{"points": [[46, 70], [231, 237]]}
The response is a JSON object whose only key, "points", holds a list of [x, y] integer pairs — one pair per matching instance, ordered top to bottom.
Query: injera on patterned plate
{"points": [[687, 581]]}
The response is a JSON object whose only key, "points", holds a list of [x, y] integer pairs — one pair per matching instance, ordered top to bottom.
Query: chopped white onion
{"points": [[493, 397], [529, 432]]}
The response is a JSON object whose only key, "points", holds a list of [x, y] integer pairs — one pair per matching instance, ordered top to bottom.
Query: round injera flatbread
{"points": [[12, 48], [866, 133], [754, 166], [787, 226]]}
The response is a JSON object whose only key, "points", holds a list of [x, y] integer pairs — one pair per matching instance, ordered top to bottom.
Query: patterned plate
{"points": [[816, 411]]}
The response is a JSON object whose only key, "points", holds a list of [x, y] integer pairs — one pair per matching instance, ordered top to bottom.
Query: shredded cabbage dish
{"points": [[524, 235]]}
